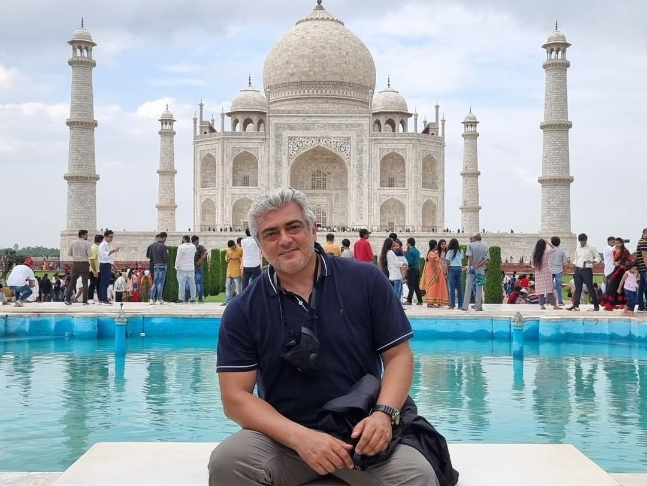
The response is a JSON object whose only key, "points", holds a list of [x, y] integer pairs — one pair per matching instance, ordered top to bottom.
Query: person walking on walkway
{"points": [[362, 249], [81, 251], [158, 254], [478, 255], [200, 256], [454, 257], [585, 257], [641, 258], [557, 260], [106, 261], [251, 263], [185, 267], [94, 268], [413, 271], [543, 275], [435, 281]]}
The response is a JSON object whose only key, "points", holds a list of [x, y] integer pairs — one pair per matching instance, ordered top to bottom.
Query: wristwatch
{"points": [[390, 411]]}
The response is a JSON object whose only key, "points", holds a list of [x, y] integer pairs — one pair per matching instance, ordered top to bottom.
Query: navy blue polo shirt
{"points": [[359, 317]]}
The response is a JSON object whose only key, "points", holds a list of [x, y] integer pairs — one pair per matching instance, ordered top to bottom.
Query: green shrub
{"points": [[223, 270], [214, 272], [493, 282], [171, 285], [206, 288]]}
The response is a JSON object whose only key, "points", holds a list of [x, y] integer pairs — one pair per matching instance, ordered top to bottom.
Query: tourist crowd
{"points": [[445, 266]]}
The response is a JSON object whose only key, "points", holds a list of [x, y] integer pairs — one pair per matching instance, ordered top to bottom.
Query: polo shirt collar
{"points": [[326, 270]]}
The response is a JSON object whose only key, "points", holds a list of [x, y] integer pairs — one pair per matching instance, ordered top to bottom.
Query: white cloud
{"points": [[486, 55]]}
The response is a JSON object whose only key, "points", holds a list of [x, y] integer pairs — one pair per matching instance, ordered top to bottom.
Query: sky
{"points": [[486, 55]]}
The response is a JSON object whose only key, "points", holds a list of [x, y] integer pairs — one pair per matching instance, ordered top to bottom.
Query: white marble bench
{"points": [[185, 464]]}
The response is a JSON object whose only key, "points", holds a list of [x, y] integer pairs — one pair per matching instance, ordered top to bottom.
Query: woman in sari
{"points": [[621, 259], [435, 281]]}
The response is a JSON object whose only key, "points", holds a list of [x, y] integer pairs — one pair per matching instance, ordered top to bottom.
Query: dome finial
{"points": [[319, 6], [82, 22], [556, 25], [250, 80], [388, 84], [166, 106], [470, 109]]}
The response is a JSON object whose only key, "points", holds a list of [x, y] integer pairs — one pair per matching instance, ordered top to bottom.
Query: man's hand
{"points": [[375, 431], [324, 453]]}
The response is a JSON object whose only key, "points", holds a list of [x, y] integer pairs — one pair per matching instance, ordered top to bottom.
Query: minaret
{"points": [[81, 174], [555, 178], [166, 194], [470, 208]]}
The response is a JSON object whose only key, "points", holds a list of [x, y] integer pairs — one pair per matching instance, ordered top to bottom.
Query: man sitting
{"points": [[304, 337]]}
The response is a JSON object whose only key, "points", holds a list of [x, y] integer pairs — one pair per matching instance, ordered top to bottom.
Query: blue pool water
{"points": [[58, 396]]}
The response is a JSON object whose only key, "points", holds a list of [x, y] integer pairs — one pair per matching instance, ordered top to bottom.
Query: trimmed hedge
{"points": [[223, 270], [214, 272], [493, 282], [171, 285], [206, 288], [144, 292]]}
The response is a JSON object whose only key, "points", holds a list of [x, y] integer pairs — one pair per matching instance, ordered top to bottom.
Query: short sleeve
{"points": [[469, 250], [390, 324], [237, 349]]}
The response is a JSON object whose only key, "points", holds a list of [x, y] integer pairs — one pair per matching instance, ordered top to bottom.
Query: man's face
{"points": [[85, 236], [109, 238], [285, 239], [197, 242], [583, 242], [612, 242]]}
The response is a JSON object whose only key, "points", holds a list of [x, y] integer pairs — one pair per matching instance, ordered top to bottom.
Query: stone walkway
{"points": [[216, 310], [45, 479]]}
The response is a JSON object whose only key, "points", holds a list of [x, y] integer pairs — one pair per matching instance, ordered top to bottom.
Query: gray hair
{"points": [[276, 199], [477, 237]]}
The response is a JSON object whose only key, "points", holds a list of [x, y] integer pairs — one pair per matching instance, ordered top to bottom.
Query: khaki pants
{"points": [[249, 458]]}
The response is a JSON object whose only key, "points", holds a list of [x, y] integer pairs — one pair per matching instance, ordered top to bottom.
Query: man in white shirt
{"points": [[607, 253], [585, 257], [251, 259], [106, 261], [185, 267], [22, 280]]}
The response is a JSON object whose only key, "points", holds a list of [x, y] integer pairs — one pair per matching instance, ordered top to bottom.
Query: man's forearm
{"points": [[397, 378], [253, 413]]}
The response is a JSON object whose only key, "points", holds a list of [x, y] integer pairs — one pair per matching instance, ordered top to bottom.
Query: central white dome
{"points": [[319, 58]]}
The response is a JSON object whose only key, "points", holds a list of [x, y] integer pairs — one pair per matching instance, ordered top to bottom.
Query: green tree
{"points": [[214, 272], [493, 282], [171, 286], [206, 287]]}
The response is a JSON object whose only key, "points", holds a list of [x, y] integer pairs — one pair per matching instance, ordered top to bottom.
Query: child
{"points": [[629, 284]]}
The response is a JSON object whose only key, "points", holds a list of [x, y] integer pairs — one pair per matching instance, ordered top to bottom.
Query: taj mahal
{"points": [[323, 126]]}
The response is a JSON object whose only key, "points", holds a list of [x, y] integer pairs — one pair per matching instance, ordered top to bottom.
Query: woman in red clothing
{"points": [[621, 259]]}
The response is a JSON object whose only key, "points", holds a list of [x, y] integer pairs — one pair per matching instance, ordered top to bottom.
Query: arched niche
{"points": [[244, 170], [392, 170], [208, 171], [430, 172], [323, 176], [239, 213], [208, 214], [392, 215], [429, 216]]}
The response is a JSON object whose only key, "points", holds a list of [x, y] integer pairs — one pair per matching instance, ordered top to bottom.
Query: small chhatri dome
{"points": [[82, 34], [556, 37], [249, 99], [389, 100], [167, 115], [470, 117]]}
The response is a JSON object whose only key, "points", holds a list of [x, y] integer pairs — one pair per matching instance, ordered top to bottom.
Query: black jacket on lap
{"points": [[339, 417]]}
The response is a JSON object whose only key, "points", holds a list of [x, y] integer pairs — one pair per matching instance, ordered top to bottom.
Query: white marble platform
{"points": [[216, 310], [185, 464]]}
